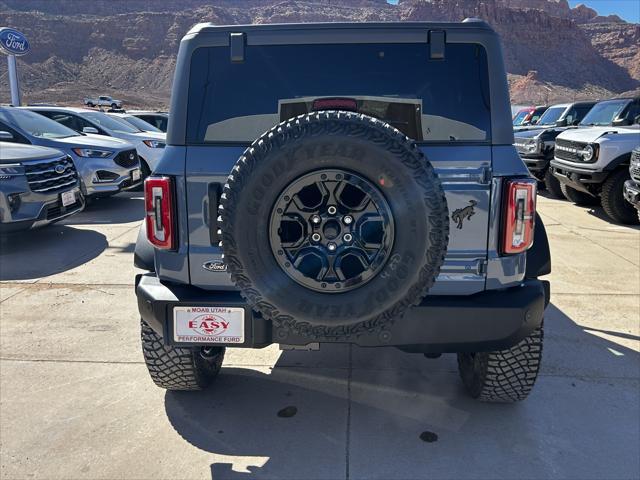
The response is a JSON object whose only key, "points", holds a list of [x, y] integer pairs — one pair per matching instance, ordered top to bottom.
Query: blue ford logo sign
{"points": [[12, 42], [60, 169]]}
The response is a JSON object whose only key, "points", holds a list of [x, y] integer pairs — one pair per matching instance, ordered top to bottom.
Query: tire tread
{"points": [[175, 368], [504, 376]]}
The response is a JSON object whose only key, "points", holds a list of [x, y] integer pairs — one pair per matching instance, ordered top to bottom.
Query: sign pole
{"points": [[12, 44], [13, 80]]}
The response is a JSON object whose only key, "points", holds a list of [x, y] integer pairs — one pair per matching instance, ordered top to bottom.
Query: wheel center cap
{"points": [[331, 229]]}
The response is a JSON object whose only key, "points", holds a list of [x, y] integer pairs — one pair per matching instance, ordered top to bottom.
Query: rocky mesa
{"points": [[128, 49]]}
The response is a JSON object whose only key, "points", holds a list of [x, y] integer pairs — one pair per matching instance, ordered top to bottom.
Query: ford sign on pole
{"points": [[13, 43]]}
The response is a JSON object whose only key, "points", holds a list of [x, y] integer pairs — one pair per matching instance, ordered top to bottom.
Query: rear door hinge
{"points": [[437, 41], [237, 43], [486, 175], [482, 267]]}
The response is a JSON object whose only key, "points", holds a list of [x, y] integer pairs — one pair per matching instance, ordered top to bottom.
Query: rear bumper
{"points": [[632, 193], [491, 320]]}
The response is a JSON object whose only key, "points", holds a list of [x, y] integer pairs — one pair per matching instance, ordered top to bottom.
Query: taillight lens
{"points": [[158, 200], [519, 215]]}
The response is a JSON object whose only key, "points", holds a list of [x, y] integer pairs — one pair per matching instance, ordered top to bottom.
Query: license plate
{"points": [[135, 175], [68, 198], [208, 324]]}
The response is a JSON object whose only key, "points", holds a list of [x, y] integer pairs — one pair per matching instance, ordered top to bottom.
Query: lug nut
{"points": [[332, 210], [315, 219], [347, 220], [315, 237], [347, 237], [332, 246]]}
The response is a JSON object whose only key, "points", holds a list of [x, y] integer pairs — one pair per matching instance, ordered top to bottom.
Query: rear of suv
{"points": [[343, 183]]}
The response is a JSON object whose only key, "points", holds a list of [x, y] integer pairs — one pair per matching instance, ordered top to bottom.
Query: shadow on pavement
{"points": [[122, 208], [599, 213], [47, 251], [397, 415]]}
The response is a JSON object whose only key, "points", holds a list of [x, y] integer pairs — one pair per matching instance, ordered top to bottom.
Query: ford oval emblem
{"points": [[12, 42], [131, 156], [60, 169], [215, 266]]}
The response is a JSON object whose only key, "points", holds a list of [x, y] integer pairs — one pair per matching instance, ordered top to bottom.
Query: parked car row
{"points": [[582, 151], [53, 160]]}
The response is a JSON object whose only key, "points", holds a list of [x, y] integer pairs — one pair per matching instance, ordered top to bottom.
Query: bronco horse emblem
{"points": [[464, 213]]}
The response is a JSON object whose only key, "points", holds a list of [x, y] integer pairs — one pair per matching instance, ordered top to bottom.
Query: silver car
{"points": [[149, 145], [106, 165], [38, 186]]}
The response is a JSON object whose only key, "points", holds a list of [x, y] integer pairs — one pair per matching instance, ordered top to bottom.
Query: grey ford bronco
{"points": [[343, 183]]}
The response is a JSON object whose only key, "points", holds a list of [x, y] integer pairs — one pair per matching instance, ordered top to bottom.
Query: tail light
{"points": [[158, 200], [519, 215]]}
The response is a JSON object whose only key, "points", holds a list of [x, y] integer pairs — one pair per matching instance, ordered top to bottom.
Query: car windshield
{"points": [[440, 101], [603, 113], [551, 116], [519, 118], [109, 123], [35, 124], [139, 124]]}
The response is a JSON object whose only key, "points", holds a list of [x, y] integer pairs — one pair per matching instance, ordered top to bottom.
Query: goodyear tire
{"points": [[367, 210], [175, 368], [503, 376]]}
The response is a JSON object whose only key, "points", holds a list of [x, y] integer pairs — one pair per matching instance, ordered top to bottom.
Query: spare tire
{"points": [[333, 225]]}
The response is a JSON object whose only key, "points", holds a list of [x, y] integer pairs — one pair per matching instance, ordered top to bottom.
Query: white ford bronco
{"points": [[592, 164]]}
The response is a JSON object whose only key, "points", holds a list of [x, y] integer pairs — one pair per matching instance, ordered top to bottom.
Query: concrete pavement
{"points": [[76, 401]]}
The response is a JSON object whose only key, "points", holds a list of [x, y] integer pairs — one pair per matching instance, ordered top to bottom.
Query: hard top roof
{"points": [[466, 24]]}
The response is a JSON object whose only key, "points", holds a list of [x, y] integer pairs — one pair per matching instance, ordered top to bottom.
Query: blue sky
{"points": [[627, 9]]}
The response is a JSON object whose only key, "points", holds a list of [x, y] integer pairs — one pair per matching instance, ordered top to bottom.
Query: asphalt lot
{"points": [[76, 401]]}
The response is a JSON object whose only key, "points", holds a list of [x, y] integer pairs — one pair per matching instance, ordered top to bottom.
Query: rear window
{"points": [[428, 100]]}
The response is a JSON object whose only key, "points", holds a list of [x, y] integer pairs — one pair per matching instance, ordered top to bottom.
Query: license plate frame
{"points": [[68, 198], [208, 324]]}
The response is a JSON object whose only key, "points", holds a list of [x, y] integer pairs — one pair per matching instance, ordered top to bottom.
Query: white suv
{"points": [[593, 163]]}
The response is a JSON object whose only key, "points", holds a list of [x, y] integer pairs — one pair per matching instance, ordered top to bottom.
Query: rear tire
{"points": [[90, 105], [114, 106], [552, 185], [578, 197], [613, 202], [175, 368], [504, 376]]}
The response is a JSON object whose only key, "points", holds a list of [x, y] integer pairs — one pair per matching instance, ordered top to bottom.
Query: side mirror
{"points": [[620, 122], [561, 123], [90, 130], [5, 135]]}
